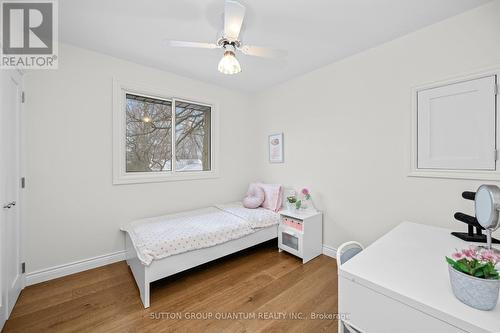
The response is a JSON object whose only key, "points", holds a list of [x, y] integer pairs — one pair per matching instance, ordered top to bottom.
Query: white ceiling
{"points": [[314, 32]]}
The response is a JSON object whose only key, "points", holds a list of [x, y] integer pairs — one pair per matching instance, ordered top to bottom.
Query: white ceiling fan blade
{"points": [[234, 12], [178, 43], [264, 52]]}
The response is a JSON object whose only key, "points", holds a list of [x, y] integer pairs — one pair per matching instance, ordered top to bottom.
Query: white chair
{"points": [[348, 250], [345, 252]]}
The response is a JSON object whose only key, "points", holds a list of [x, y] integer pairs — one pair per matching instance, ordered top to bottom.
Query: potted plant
{"points": [[305, 199], [291, 201], [301, 202], [474, 277]]}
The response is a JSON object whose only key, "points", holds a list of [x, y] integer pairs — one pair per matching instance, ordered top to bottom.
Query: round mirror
{"points": [[487, 202]]}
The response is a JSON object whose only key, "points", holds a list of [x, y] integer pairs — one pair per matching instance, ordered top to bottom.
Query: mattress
{"points": [[163, 236]]}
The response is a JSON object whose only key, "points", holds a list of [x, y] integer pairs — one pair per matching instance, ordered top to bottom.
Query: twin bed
{"points": [[162, 246]]}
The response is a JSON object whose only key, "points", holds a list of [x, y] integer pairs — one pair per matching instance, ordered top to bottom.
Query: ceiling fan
{"points": [[234, 13]]}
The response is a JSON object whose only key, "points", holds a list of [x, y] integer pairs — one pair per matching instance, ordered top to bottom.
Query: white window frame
{"points": [[444, 173], [120, 175]]}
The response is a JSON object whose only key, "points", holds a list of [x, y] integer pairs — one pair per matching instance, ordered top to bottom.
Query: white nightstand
{"points": [[301, 234]]}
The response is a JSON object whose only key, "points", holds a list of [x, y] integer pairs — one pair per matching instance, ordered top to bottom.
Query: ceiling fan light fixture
{"points": [[229, 64]]}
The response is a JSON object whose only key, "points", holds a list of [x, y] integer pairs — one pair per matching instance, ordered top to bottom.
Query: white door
{"points": [[10, 229]]}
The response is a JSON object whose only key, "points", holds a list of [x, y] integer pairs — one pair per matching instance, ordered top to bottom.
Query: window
{"points": [[454, 128], [148, 134], [158, 137], [192, 137]]}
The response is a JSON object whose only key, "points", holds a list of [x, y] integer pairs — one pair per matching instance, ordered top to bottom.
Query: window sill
{"points": [[456, 174], [149, 177]]}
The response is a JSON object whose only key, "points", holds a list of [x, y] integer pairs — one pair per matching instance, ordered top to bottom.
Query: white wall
{"points": [[347, 125], [346, 137], [73, 211]]}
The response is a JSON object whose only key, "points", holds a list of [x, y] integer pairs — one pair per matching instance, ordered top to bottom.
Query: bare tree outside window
{"points": [[148, 134], [192, 136], [158, 137], [149, 146]]}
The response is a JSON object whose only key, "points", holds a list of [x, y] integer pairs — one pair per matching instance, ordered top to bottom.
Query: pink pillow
{"points": [[273, 196], [255, 197]]}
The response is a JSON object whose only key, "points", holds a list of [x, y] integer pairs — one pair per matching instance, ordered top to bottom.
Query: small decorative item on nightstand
{"points": [[291, 201], [302, 201], [301, 234]]}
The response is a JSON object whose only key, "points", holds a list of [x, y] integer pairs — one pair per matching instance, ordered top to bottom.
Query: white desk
{"points": [[400, 283]]}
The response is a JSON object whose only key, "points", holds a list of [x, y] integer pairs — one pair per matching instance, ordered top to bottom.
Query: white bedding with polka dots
{"points": [[258, 218], [163, 236]]}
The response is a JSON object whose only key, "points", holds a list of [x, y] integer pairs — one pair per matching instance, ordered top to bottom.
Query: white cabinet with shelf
{"points": [[454, 130], [301, 234]]}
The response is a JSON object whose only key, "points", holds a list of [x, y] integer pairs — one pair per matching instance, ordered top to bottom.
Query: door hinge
{"points": [[496, 89], [23, 97], [495, 154], [23, 182], [23, 267]]}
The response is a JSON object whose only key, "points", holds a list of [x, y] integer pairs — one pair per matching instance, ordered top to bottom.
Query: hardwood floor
{"points": [[257, 290]]}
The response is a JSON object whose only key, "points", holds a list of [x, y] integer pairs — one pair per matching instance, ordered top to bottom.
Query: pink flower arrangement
{"points": [[306, 193], [297, 202], [475, 253], [476, 261]]}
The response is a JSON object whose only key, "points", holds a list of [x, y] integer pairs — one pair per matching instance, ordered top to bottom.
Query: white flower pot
{"points": [[290, 207], [481, 294]]}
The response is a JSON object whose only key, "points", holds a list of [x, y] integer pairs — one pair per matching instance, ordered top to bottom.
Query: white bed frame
{"points": [[162, 268]]}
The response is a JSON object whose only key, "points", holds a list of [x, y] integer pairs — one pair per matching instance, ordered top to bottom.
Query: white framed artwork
{"points": [[275, 143]]}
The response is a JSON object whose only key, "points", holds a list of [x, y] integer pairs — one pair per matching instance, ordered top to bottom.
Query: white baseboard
{"points": [[329, 251], [106, 259], [73, 267]]}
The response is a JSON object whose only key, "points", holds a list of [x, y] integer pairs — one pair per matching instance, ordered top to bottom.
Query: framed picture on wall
{"points": [[275, 143]]}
